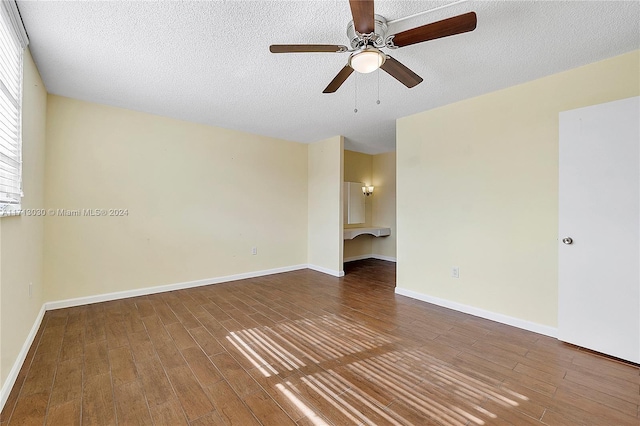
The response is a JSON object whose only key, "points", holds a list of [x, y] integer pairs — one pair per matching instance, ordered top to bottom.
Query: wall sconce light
{"points": [[367, 190]]}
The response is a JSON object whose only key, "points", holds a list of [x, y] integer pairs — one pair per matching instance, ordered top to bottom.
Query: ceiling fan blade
{"points": [[362, 11], [447, 27], [307, 48], [401, 73], [339, 79]]}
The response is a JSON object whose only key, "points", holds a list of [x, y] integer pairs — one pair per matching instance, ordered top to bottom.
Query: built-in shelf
{"points": [[351, 233]]}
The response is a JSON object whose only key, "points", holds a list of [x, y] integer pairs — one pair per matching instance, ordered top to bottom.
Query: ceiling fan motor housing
{"points": [[376, 39]]}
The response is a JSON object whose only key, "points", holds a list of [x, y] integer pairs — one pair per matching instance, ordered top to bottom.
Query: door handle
{"points": [[567, 240]]}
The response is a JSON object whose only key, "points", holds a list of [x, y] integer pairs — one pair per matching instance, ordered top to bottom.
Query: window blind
{"points": [[13, 40]]}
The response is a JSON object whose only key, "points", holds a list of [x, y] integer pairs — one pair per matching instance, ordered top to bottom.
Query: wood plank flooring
{"points": [[308, 349]]}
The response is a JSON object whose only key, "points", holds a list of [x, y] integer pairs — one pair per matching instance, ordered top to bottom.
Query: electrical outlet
{"points": [[254, 250], [455, 272], [30, 290]]}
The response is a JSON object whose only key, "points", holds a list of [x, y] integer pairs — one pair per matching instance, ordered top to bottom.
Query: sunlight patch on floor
{"points": [[420, 382], [304, 408]]}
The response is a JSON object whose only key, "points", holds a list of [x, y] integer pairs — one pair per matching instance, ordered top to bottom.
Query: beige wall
{"points": [[325, 161], [358, 167], [478, 189], [198, 198], [383, 203], [22, 236]]}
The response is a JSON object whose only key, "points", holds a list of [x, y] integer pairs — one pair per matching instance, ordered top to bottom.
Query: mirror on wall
{"points": [[354, 207]]}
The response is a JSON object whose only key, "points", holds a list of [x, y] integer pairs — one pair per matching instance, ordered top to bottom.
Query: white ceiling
{"points": [[209, 61]]}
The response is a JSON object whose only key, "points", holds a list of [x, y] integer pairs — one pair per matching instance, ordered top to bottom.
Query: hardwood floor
{"points": [[308, 349]]}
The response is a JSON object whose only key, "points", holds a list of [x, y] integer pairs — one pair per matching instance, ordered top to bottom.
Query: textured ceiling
{"points": [[209, 61]]}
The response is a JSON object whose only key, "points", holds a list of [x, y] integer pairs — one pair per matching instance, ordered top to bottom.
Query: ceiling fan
{"points": [[368, 35]]}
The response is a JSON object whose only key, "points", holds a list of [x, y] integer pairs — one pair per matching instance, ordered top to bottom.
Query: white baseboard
{"points": [[369, 256], [381, 257], [354, 258], [324, 270], [59, 304], [493, 316], [22, 355]]}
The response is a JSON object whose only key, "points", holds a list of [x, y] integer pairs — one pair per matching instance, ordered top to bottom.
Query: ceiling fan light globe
{"points": [[367, 60]]}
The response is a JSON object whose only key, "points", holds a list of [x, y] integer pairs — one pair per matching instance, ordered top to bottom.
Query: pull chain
{"points": [[378, 72], [355, 100]]}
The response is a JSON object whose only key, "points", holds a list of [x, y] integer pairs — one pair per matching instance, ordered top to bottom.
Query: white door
{"points": [[599, 225]]}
